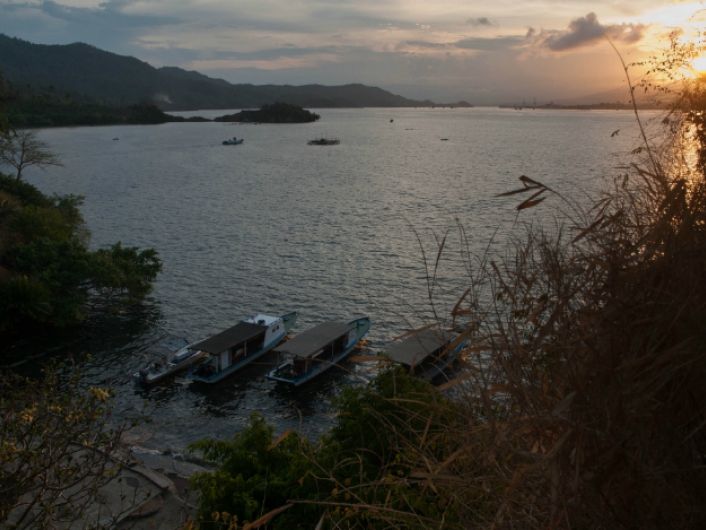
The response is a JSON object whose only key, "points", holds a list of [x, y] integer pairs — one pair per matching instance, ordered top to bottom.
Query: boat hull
{"points": [[323, 141], [288, 321], [362, 325], [146, 377]]}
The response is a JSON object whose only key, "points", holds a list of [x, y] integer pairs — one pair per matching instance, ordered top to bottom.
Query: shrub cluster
{"points": [[48, 275], [360, 469]]}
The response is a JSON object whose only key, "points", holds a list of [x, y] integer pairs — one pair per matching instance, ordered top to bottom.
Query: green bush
{"points": [[49, 274], [366, 460], [254, 477]]}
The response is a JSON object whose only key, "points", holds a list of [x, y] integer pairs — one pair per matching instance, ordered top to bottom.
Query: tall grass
{"points": [[584, 397]]}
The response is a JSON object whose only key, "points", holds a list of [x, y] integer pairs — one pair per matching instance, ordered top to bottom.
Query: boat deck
{"points": [[228, 338], [312, 341], [416, 348]]}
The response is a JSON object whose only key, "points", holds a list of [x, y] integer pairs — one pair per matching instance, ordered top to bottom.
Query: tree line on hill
{"points": [[79, 71], [23, 110], [47, 111]]}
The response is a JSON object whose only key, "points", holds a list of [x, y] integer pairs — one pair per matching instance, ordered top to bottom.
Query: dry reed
{"points": [[584, 400]]}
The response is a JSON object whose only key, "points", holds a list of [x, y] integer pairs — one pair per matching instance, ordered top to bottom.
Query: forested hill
{"points": [[83, 71]]}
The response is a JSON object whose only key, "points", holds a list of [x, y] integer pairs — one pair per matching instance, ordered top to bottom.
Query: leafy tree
{"points": [[22, 149], [47, 272], [56, 442], [368, 460], [255, 475]]}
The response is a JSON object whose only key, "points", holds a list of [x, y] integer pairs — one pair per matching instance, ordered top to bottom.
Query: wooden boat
{"points": [[233, 141], [324, 141], [318, 349], [230, 350], [427, 353], [167, 358]]}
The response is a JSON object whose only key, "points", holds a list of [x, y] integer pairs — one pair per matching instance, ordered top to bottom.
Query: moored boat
{"points": [[324, 141], [235, 347], [316, 350], [426, 353], [167, 358]]}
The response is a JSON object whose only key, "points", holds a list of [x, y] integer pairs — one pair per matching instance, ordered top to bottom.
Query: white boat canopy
{"points": [[230, 337], [310, 342], [415, 348]]}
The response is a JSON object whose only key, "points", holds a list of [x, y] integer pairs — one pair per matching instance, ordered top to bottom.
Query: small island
{"points": [[275, 113]]}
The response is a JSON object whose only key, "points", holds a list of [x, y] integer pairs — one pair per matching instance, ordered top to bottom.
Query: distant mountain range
{"points": [[78, 71]]}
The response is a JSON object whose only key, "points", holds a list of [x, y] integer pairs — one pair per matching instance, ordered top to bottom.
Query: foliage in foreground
{"points": [[47, 273], [583, 402], [55, 450], [365, 460]]}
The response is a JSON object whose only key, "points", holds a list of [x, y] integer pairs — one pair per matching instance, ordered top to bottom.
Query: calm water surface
{"points": [[275, 225]]}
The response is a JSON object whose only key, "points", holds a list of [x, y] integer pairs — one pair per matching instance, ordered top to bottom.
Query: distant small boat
{"points": [[392, 121], [444, 139], [232, 141], [324, 141], [241, 344], [318, 349], [426, 353], [167, 358]]}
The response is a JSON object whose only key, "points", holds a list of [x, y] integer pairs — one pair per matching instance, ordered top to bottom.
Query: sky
{"points": [[481, 51]]}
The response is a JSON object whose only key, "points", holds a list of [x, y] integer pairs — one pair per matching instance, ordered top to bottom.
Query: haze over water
{"points": [[274, 225]]}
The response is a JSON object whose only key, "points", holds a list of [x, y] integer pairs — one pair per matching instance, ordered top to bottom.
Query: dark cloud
{"points": [[116, 5], [109, 14], [481, 21], [107, 26], [586, 31], [424, 44], [492, 44], [278, 53], [176, 55]]}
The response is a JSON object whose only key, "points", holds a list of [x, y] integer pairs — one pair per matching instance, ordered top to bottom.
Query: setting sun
{"points": [[699, 64]]}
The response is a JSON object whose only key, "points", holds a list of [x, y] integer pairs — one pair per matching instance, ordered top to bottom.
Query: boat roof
{"points": [[241, 332], [308, 343], [415, 348]]}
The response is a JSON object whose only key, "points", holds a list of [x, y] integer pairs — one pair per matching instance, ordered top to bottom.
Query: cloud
{"points": [[109, 15], [482, 21], [586, 31], [424, 44], [492, 44], [280, 63]]}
